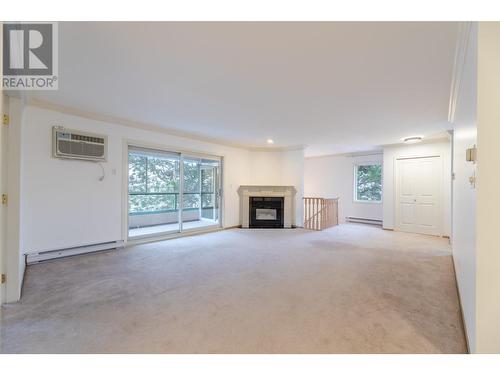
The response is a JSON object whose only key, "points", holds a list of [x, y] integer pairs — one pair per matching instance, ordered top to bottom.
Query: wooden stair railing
{"points": [[320, 213]]}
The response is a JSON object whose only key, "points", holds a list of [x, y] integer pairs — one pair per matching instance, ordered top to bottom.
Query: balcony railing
{"points": [[171, 208], [167, 211]]}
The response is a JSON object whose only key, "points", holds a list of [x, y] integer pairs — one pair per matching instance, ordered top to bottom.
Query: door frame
{"points": [[440, 190], [125, 196]]}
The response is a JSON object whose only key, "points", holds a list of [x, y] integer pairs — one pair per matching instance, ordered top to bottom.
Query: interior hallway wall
{"points": [[333, 177], [488, 183], [464, 194], [14, 241]]}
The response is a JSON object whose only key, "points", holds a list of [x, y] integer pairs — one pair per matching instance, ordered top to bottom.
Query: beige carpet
{"points": [[350, 289]]}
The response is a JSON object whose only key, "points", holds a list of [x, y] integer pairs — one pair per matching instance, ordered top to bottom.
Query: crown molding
{"points": [[464, 29], [126, 122], [150, 127], [278, 149], [348, 154]]}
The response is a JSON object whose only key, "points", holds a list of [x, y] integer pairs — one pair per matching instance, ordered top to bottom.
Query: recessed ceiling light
{"points": [[413, 139], [270, 141]]}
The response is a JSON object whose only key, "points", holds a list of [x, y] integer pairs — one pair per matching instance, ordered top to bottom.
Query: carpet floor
{"points": [[349, 289]]}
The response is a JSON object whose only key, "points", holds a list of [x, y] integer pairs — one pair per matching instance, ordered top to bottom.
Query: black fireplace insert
{"points": [[266, 212]]}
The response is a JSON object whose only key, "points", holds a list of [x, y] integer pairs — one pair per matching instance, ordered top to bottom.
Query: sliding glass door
{"points": [[154, 179], [171, 192], [201, 192]]}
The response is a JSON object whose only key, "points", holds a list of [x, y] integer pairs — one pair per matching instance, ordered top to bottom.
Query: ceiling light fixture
{"points": [[413, 139], [270, 141]]}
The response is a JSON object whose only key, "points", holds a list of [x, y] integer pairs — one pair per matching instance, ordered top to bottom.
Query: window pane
{"points": [[137, 173], [163, 175], [191, 177], [207, 180], [369, 182], [207, 200], [191, 201], [151, 203]]}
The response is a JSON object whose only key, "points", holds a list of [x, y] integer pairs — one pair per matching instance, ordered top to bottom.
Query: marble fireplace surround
{"points": [[287, 192]]}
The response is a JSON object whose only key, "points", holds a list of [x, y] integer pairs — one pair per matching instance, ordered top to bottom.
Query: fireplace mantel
{"points": [[287, 192]]}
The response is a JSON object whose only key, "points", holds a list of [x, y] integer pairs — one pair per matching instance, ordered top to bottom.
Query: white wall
{"points": [[424, 149], [280, 168], [333, 177], [3, 178], [488, 186], [3, 187], [464, 195], [65, 205], [15, 263]]}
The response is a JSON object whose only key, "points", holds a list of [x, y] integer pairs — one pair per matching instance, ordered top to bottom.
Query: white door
{"points": [[418, 195]]}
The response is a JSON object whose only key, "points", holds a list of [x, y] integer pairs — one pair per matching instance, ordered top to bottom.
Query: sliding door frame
{"points": [[172, 150], [189, 154]]}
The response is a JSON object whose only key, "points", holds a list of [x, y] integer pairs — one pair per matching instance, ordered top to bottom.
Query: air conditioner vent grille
{"points": [[78, 145]]}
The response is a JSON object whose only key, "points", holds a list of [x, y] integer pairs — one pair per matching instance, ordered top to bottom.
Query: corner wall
{"points": [[280, 168], [333, 177]]}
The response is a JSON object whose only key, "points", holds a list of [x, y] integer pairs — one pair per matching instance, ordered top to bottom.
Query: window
{"points": [[153, 182], [191, 183], [368, 183], [207, 187]]}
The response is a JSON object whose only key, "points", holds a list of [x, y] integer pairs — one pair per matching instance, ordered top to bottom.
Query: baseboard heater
{"points": [[362, 220], [69, 252]]}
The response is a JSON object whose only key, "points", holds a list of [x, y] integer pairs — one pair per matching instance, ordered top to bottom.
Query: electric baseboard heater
{"points": [[361, 220], [41, 256]]}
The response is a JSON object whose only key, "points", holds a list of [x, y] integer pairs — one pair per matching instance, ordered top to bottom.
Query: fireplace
{"points": [[266, 212], [273, 213]]}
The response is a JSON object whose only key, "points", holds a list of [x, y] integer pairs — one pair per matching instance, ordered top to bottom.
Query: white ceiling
{"points": [[335, 86]]}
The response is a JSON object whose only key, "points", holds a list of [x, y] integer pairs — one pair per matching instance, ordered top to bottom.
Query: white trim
{"points": [[464, 29], [347, 154], [366, 202]]}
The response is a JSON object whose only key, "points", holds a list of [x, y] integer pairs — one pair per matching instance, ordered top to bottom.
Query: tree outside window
{"points": [[153, 183], [368, 183]]}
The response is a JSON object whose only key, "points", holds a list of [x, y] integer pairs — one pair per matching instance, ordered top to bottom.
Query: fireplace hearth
{"points": [[266, 212]]}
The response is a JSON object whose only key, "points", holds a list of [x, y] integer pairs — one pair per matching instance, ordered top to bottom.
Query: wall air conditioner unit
{"points": [[75, 144]]}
